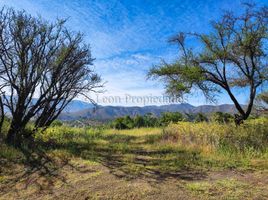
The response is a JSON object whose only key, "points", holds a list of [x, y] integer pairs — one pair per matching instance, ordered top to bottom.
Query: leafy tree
{"points": [[232, 56], [43, 60], [169, 117], [190, 117], [200, 117], [221, 117], [150, 120], [128, 121], [139, 121], [119, 123], [123, 123]]}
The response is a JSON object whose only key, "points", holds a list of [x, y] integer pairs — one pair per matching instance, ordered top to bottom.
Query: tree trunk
{"points": [[2, 113], [239, 119], [14, 135]]}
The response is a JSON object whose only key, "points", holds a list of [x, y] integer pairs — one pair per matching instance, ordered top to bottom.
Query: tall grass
{"points": [[224, 142], [182, 144]]}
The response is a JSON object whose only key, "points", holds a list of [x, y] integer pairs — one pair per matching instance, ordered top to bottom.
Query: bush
{"points": [[169, 117], [200, 117], [221, 117], [148, 120], [139, 121], [56, 123], [123, 123], [65, 134]]}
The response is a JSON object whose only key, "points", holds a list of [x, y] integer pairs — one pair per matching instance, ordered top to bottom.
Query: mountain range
{"points": [[82, 110]]}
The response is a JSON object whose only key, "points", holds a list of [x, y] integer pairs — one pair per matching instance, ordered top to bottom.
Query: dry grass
{"points": [[185, 160]]}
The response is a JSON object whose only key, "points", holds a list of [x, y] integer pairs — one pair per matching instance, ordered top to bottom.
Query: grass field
{"points": [[180, 161]]}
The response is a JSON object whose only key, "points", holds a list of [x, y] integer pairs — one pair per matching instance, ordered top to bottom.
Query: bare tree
{"points": [[233, 56], [43, 67]]}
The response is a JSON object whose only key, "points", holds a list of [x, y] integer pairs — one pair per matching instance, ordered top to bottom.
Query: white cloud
{"points": [[127, 38]]}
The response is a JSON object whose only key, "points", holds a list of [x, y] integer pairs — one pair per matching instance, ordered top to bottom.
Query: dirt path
{"points": [[81, 179]]}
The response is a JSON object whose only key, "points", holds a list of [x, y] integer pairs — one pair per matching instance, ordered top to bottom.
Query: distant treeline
{"points": [[150, 120]]}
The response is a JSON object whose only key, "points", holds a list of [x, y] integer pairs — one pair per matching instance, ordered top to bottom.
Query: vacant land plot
{"points": [[148, 163]]}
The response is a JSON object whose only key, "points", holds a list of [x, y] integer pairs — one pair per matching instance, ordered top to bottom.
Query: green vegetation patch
{"points": [[223, 189]]}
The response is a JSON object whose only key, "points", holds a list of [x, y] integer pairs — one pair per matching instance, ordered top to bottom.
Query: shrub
{"points": [[169, 117], [200, 117], [221, 117], [139, 121], [57, 123], [122, 123], [65, 134]]}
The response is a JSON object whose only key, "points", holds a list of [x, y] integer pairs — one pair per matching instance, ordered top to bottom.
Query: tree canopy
{"points": [[233, 56], [43, 66]]}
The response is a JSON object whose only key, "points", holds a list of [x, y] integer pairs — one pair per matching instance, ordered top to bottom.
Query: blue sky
{"points": [[127, 37]]}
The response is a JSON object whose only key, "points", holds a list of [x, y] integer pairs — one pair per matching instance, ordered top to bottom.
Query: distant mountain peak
{"points": [[83, 110]]}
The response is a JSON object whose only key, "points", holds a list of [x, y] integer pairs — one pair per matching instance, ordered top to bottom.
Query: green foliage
{"points": [[217, 66], [183, 77], [169, 117], [200, 117], [221, 117], [166, 118], [147, 120], [151, 120], [128, 121], [139, 121], [136, 122], [56, 123], [119, 123], [123, 123], [4, 128], [63, 135], [251, 136], [180, 145], [181, 150], [9, 153], [227, 188]]}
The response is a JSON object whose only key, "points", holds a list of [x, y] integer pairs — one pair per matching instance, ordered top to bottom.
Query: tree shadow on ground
{"points": [[126, 157], [36, 165], [37, 169]]}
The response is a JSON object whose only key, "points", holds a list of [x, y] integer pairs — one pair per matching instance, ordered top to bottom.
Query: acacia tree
{"points": [[232, 56], [43, 67]]}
